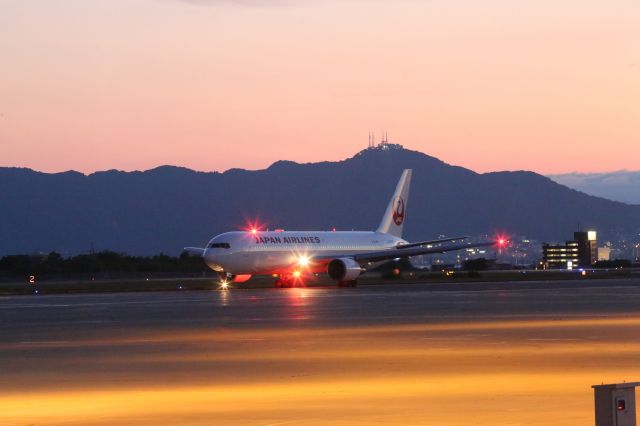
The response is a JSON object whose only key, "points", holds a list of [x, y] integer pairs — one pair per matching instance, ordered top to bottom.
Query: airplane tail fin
{"points": [[394, 216]]}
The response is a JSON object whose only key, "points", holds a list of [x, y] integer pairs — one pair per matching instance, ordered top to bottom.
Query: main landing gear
{"points": [[294, 279], [297, 280]]}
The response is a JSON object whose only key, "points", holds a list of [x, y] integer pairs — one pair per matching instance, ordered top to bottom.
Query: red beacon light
{"points": [[253, 227], [502, 241]]}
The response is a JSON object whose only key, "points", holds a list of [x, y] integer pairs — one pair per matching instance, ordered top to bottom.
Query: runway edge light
{"points": [[615, 404]]}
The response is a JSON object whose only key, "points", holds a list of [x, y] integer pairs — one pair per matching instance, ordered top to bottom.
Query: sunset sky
{"points": [[548, 85]]}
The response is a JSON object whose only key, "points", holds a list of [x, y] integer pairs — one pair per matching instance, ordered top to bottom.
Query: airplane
{"points": [[290, 256]]}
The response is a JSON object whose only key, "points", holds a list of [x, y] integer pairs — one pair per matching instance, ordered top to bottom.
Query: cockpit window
{"points": [[220, 245]]}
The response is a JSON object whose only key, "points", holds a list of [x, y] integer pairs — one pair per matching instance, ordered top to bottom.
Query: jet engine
{"points": [[344, 269]]}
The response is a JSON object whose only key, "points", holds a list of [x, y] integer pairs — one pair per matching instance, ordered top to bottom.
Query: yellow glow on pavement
{"points": [[486, 373]]}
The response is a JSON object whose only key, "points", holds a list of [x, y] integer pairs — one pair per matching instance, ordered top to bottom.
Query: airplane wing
{"points": [[431, 242], [195, 251], [403, 251]]}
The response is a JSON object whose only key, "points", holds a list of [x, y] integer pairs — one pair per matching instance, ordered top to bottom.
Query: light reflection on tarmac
{"points": [[372, 355]]}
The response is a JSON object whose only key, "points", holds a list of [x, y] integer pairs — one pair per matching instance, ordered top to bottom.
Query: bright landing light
{"points": [[303, 261], [296, 274], [224, 285]]}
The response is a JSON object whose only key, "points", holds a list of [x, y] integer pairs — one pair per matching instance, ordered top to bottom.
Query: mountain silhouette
{"points": [[622, 185], [167, 208]]}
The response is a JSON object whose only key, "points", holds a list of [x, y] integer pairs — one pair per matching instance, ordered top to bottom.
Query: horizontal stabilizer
{"points": [[195, 251]]}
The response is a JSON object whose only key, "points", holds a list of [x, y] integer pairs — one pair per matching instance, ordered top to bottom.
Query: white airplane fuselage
{"points": [[278, 252], [343, 255]]}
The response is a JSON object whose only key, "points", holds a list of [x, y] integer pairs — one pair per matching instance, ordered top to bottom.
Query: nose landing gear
{"points": [[225, 279]]}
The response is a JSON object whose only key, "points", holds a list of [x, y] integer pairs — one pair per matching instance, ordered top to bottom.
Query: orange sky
{"points": [[550, 86]]}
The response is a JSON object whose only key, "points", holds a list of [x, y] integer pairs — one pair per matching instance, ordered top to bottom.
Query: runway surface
{"points": [[408, 354]]}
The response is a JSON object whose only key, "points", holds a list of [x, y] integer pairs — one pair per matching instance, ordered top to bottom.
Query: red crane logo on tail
{"points": [[398, 212]]}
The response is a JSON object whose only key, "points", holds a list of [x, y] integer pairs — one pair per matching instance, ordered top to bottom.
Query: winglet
{"points": [[395, 215]]}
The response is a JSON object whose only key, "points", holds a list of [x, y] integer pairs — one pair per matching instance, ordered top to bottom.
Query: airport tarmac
{"points": [[503, 354]]}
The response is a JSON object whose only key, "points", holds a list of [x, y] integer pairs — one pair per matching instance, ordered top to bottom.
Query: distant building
{"points": [[384, 144], [587, 248], [581, 252], [604, 253], [560, 256]]}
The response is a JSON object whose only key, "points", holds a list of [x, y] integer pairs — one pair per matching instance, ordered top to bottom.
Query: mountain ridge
{"points": [[620, 185], [168, 207]]}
